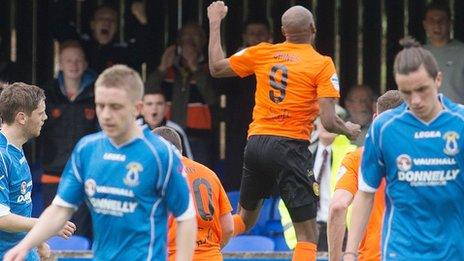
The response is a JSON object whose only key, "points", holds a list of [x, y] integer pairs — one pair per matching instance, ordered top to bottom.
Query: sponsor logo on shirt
{"points": [[289, 57], [335, 82], [427, 134], [451, 144], [114, 157], [434, 161], [403, 162], [132, 176], [428, 177], [91, 188], [23, 189], [115, 191], [25, 196], [112, 207]]}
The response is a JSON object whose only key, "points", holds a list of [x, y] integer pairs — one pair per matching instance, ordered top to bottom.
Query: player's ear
{"points": [[312, 29], [283, 30], [438, 79], [138, 108], [21, 118]]}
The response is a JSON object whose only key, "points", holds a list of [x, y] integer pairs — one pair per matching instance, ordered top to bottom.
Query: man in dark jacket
{"points": [[71, 110]]}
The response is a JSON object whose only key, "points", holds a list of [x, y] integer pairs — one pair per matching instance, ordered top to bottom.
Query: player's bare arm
{"points": [[218, 64], [333, 123], [362, 206], [15, 223], [50, 223], [336, 224], [227, 226], [185, 244]]}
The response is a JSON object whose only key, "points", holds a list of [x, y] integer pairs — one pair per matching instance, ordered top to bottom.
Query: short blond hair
{"points": [[122, 77]]}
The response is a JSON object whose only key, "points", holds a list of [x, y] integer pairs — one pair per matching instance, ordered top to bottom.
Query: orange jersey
{"points": [[290, 79], [211, 203], [369, 248]]}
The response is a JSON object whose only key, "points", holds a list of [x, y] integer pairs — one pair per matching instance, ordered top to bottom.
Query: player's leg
{"points": [[255, 185], [298, 190]]}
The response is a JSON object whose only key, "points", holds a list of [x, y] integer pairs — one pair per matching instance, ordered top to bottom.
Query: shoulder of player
{"points": [[255, 48], [455, 109], [389, 117], [90, 140], [157, 141], [159, 146], [354, 155], [5, 157], [200, 169]]}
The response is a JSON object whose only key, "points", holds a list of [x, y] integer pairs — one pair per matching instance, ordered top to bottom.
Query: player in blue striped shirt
{"points": [[22, 108], [416, 147], [129, 178]]}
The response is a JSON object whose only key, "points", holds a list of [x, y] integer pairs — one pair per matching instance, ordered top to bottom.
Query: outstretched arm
{"points": [[219, 66], [333, 123], [15, 223], [50, 223]]}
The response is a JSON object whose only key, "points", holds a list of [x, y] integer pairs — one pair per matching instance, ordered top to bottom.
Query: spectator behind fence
{"points": [[101, 47], [448, 52], [184, 78], [240, 102], [360, 104], [71, 110], [154, 114]]}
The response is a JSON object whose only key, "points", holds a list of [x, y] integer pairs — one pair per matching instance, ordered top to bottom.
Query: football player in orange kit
{"points": [[294, 84], [346, 188], [214, 218]]}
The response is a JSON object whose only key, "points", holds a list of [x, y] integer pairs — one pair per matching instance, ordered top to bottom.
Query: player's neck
{"points": [[298, 38], [436, 110], [134, 131], [14, 135]]}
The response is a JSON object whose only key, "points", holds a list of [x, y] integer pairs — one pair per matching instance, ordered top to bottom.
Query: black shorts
{"points": [[281, 161]]}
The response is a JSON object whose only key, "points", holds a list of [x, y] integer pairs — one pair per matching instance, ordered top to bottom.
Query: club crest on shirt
{"points": [[451, 144], [403, 162], [132, 176], [90, 187], [23, 189]]}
